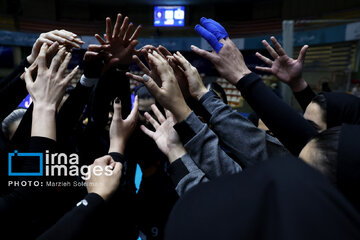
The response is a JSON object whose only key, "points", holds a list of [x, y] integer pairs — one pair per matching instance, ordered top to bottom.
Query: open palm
{"points": [[286, 69]]}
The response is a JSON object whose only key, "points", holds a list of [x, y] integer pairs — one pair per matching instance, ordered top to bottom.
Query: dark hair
{"points": [[219, 90], [321, 101], [325, 159]]}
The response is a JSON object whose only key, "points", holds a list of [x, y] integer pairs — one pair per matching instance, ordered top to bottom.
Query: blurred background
{"points": [[330, 27]]}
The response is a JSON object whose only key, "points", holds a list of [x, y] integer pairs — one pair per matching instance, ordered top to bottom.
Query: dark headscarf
{"points": [[341, 108], [348, 160], [282, 198]]}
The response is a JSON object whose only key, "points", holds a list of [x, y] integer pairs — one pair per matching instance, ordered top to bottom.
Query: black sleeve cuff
{"points": [[246, 81], [184, 131], [41, 144], [118, 157], [177, 171], [94, 199]]}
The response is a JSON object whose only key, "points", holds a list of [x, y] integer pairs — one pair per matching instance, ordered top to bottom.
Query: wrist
{"points": [[238, 75], [298, 85], [198, 95], [44, 108], [181, 112], [117, 146], [176, 152]]}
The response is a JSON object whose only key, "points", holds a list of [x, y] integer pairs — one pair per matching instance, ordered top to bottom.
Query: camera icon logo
{"points": [[16, 157]]}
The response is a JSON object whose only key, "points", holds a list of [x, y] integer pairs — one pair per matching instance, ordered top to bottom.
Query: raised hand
{"points": [[212, 32], [63, 37], [122, 42], [94, 59], [229, 62], [286, 69], [195, 84], [49, 86], [47, 90], [169, 94], [121, 129], [165, 136], [106, 179]]}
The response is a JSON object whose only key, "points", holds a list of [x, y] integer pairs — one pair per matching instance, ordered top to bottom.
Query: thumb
{"points": [[302, 53], [28, 78], [151, 85], [117, 109]]}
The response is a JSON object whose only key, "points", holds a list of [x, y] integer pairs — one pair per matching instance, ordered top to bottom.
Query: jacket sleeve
{"points": [[12, 90], [304, 97], [287, 125], [238, 135], [202, 144], [185, 174], [23, 196], [73, 224]]}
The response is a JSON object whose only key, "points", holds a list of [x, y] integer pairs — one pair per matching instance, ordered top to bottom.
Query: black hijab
{"points": [[341, 108], [348, 160], [282, 198]]}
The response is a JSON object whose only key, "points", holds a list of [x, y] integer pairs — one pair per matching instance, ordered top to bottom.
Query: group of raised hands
{"points": [[170, 78]]}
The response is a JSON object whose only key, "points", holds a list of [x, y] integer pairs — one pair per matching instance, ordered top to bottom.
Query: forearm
{"points": [[304, 97], [43, 124], [287, 125], [237, 134], [203, 146], [185, 174]]}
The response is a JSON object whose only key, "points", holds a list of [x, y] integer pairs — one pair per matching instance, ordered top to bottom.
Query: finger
{"points": [[117, 25], [123, 28], [108, 29], [128, 31], [68, 32], [136, 33], [64, 35], [55, 37], [209, 37], [45, 40], [100, 40], [132, 45], [278, 47], [98, 48], [270, 49], [164, 51], [203, 53], [302, 53], [158, 56], [42, 57], [264, 59], [57, 60], [183, 62], [64, 65], [141, 65], [264, 69], [71, 75], [135, 77], [28, 78], [151, 85], [117, 109], [168, 114], [133, 116], [160, 117], [153, 122], [147, 131], [103, 161], [118, 169]]}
